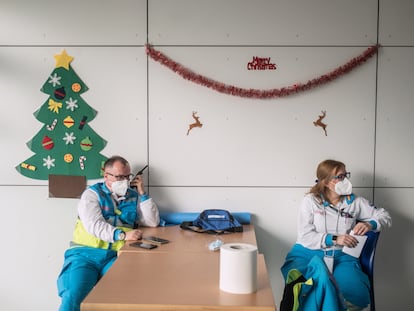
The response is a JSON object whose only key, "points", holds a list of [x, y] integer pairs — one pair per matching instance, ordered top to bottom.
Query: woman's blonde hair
{"points": [[325, 171]]}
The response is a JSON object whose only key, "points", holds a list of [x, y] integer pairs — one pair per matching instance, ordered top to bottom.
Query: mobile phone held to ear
{"points": [[140, 173], [143, 245]]}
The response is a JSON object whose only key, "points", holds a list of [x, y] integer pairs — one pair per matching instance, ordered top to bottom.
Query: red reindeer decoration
{"points": [[197, 123], [320, 123]]}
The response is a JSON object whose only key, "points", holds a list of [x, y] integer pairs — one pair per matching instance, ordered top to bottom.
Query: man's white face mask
{"points": [[120, 187], [343, 187]]}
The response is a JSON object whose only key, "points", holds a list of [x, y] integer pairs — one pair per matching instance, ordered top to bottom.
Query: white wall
{"points": [[250, 155]]}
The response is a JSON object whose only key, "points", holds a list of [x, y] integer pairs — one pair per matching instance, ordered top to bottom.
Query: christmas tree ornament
{"points": [[63, 60], [76, 87], [60, 93], [54, 106], [68, 122], [83, 122], [319, 122], [197, 123], [51, 127], [47, 143], [86, 144], [68, 158], [82, 160], [28, 166]]}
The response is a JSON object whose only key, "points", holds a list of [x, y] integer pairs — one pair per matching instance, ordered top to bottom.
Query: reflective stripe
{"points": [[83, 237]]}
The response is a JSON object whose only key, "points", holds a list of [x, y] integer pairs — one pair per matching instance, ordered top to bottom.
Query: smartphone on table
{"points": [[156, 240], [143, 245]]}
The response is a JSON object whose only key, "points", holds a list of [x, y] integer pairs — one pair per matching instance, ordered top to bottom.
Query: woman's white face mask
{"points": [[120, 187], [343, 187]]}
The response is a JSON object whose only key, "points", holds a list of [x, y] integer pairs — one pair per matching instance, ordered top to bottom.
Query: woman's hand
{"points": [[361, 228], [346, 240]]}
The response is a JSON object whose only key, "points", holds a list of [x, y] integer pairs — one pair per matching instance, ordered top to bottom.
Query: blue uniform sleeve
{"points": [[143, 197]]}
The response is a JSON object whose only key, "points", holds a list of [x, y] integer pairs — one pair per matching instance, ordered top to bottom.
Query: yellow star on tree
{"points": [[63, 60]]}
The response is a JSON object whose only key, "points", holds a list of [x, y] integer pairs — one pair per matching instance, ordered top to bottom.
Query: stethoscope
{"points": [[349, 199], [339, 213]]}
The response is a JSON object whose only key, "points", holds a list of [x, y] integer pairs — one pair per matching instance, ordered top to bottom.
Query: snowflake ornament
{"points": [[55, 80], [71, 104], [69, 138], [49, 162]]}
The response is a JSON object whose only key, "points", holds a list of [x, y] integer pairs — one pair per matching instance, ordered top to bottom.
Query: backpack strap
{"points": [[188, 225], [235, 229]]}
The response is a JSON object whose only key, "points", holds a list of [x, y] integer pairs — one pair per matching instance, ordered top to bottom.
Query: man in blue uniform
{"points": [[109, 214]]}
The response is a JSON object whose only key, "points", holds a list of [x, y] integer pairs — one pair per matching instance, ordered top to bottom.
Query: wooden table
{"points": [[189, 241], [181, 275], [173, 281]]}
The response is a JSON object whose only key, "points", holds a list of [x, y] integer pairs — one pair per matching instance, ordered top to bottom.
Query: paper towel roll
{"points": [[238, 268]]}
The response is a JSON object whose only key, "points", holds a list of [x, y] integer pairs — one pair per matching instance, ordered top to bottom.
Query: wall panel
{"points": [[92, 22], [263, 22], [396, 22], [116, 78], [395, 115], [250, 142], [254, 155], [37, 231], [393, 263]]}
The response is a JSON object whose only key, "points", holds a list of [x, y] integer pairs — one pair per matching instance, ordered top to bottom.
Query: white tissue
{"points": [[238, 268]]}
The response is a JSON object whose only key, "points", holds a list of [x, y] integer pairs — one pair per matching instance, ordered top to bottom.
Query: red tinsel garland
{"points": [[256, 93]]}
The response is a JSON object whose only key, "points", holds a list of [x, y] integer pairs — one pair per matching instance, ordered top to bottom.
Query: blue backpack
{"points": [[214, 221]]}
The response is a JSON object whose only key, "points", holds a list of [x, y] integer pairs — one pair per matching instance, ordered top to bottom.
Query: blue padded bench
{"points": [[176, 218]]}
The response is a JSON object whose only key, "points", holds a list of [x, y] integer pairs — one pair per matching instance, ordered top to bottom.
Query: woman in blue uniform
{"points": [[327, 215]]}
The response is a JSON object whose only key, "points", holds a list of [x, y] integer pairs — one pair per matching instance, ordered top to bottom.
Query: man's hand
{"points": [[138, 182], [133, 235]]}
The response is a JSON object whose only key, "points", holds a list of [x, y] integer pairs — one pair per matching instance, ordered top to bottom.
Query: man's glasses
{"points": [[342, 176], [120, 177]]}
